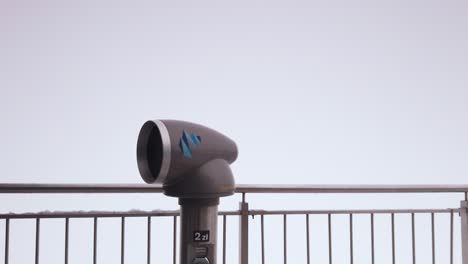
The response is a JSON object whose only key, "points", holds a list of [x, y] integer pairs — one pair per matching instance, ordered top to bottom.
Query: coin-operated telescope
{"points": [[192, 163]]}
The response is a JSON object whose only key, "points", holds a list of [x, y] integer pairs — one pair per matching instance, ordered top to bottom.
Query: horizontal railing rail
{"points": [[240, 188], [155, 213], [100, 214], [442, 221]]}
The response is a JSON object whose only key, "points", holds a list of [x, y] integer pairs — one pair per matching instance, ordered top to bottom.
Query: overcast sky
{"points": [[313, 92]]}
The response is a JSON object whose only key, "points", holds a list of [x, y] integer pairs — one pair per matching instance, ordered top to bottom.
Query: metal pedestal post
{"points": [[199, 223]]}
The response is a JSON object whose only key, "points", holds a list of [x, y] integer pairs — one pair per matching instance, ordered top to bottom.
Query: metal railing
{"points": [[453, 224]]}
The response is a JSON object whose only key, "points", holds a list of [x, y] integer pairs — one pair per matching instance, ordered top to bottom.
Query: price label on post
{"points": [[201, 236]]}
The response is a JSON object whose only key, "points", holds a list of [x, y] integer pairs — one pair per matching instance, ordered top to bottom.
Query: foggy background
{"points": [[313, 92]]}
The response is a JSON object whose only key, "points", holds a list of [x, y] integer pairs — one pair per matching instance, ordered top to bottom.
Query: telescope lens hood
{"points": [[153, 151]]}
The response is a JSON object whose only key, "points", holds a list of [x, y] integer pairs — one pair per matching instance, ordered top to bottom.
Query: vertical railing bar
{"points": [[463, 214], [38, 231], [262, 231], [67, 232], [451, 236], [224, 238], [308, 238], [393, 238], [413, 238], [433, 238], [7, 239], [372, 239], [122, 240], [95, 241], [148, 241], [174, 245], [351, 249], [285, 253], [330, 253]]}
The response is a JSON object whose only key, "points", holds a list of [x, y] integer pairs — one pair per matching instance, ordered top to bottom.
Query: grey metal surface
{"points": [[154, 151], [166, 158], [190, 160], [17, 188], [240, 188], [284, 188], [361, 211], [156, 213], [285, 213], [91, 214], [244, 214], [196, 218], [262, 230], [464, 230], [243, 232], [38, 234], [67, 237], [393, 237], [451, 237], [224, 238], [307, 238], [413, 238], [433, 238], [285, 239], [351, 239], [372, 239], [7, 240], [95, 240], [122, 240], [174, 240], [148, 241], [330, 244]]}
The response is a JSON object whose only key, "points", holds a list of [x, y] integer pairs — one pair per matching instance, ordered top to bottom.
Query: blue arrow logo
{"points": [[184, 143]]}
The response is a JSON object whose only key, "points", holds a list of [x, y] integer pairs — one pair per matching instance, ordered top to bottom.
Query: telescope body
{"points": [[191, 162]]}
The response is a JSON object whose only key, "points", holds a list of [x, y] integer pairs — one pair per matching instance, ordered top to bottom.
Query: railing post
{"points": [[464, 230], [244, 231]]}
